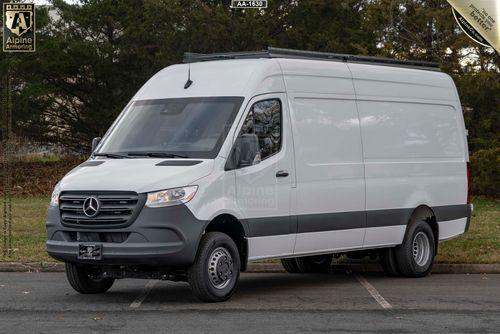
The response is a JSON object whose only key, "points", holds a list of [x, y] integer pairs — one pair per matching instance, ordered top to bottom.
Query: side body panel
{"points": [[371, 143], [415, 149], [330, 193]]}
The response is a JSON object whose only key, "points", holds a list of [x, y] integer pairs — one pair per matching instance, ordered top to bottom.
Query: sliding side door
{"points": [[330, 203]]}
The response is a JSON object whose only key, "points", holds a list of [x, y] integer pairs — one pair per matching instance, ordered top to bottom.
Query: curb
{"points": [[28, 267], [439, 268]]}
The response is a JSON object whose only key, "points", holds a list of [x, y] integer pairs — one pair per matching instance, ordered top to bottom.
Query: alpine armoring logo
{"points": [[19, 27]]}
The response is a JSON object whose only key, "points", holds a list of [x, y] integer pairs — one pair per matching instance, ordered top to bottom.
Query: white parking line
{"points": [[144, 294], [375, 294]]}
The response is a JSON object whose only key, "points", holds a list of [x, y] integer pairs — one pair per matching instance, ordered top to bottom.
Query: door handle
{"points": [[281, 173]]}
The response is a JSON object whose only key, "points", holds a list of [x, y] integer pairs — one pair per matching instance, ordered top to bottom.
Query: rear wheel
{"points": [[415, 256], [388, 261], [314, 264], [290, 265], [214, 275], [85, 279]]}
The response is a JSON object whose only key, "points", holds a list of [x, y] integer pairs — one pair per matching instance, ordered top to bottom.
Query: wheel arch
{"points": [[425, 213], [232, 226]]}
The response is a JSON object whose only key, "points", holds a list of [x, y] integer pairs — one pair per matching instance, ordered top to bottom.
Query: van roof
{"points": [[272, 52], [251, 74], [256, 76], [239, 77]]}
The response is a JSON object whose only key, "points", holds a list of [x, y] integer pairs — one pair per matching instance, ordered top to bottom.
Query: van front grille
{"points": [[114, 209]]}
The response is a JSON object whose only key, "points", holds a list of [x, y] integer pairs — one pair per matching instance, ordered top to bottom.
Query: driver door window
{"points": [[263, 124]]}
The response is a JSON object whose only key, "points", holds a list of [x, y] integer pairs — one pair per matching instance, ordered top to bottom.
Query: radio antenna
{"points": [[188, 82]]}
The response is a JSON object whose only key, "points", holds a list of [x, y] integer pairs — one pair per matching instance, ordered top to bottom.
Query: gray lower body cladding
{"points": [[321, 222], [166, 236]]}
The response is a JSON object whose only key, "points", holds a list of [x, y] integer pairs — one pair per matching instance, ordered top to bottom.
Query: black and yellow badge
{"points": [[18, 27]]}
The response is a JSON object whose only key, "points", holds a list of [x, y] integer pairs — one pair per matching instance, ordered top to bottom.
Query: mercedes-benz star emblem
{"points": [[91, 206]]}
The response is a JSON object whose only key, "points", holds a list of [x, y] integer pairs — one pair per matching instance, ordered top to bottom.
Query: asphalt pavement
{"points": [[263, 303]]}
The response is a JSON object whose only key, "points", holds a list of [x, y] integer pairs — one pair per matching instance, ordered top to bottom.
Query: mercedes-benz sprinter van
{"points": [[230, 158]]}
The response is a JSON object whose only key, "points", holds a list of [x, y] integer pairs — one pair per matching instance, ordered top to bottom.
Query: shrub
{"points": [[485, 169], [37, 177]]}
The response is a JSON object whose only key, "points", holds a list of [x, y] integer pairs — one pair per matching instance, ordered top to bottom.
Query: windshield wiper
{"points": [[111, 155], [157, 155]]}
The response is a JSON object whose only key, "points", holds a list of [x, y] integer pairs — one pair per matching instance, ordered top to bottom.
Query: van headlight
{"points": [[171, 197], [54, 198]]}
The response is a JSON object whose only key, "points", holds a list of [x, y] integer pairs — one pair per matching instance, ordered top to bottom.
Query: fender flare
{"points": [[425, 213]]}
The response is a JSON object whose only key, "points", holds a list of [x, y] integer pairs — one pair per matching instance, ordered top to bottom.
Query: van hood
{"points": [[139, 175]]}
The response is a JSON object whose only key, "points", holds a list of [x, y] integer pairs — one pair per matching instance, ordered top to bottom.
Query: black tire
{"points": [[388, 261], [407, 262], [315, 263], [290, 265], [82, 279], [201, 282]]}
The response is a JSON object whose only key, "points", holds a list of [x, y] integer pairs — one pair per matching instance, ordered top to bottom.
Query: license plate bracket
{"points": [[89, 251]]}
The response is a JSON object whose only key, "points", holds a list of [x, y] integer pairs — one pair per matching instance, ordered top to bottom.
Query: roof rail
{"points": [[272, 52], [190, 57]]}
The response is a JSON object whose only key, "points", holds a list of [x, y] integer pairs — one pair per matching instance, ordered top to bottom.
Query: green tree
{"points": [[426, 30], [93, 56]]}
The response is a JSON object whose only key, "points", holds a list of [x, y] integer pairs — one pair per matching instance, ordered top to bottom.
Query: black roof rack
{"points": [[299, 54]]}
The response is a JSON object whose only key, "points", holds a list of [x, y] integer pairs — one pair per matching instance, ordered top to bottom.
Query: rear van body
{"points": [[215, 163]]}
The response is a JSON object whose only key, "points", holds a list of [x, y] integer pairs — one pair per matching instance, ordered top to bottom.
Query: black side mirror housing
{"points": [[95, 142], [245, 152], [234, 157]]}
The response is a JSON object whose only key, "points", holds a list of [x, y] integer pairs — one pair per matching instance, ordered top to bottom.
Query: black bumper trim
{"points": [[166, 236]]}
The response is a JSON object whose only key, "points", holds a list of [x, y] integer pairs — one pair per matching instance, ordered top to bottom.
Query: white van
{"points": [[286, 154]]}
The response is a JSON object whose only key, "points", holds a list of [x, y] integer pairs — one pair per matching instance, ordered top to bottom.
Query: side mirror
{"points": [[95, 142], [249, 150], [245, 152]]}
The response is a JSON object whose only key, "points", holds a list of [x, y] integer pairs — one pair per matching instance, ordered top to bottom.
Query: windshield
{"points": [[181, 127]]}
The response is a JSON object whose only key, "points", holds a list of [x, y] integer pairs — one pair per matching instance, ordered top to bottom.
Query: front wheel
{"points": [[415, 256], [215, 272], [86, 280]]}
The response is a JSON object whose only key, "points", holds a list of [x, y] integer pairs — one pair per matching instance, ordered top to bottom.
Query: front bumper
{"points": [[166, 236]]}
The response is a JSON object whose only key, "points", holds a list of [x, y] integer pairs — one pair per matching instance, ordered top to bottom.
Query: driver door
{"points": [[265, 177]]}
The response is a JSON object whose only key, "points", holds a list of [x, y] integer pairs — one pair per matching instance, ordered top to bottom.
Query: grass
{"points": [[28, 230], [481, 244]]}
